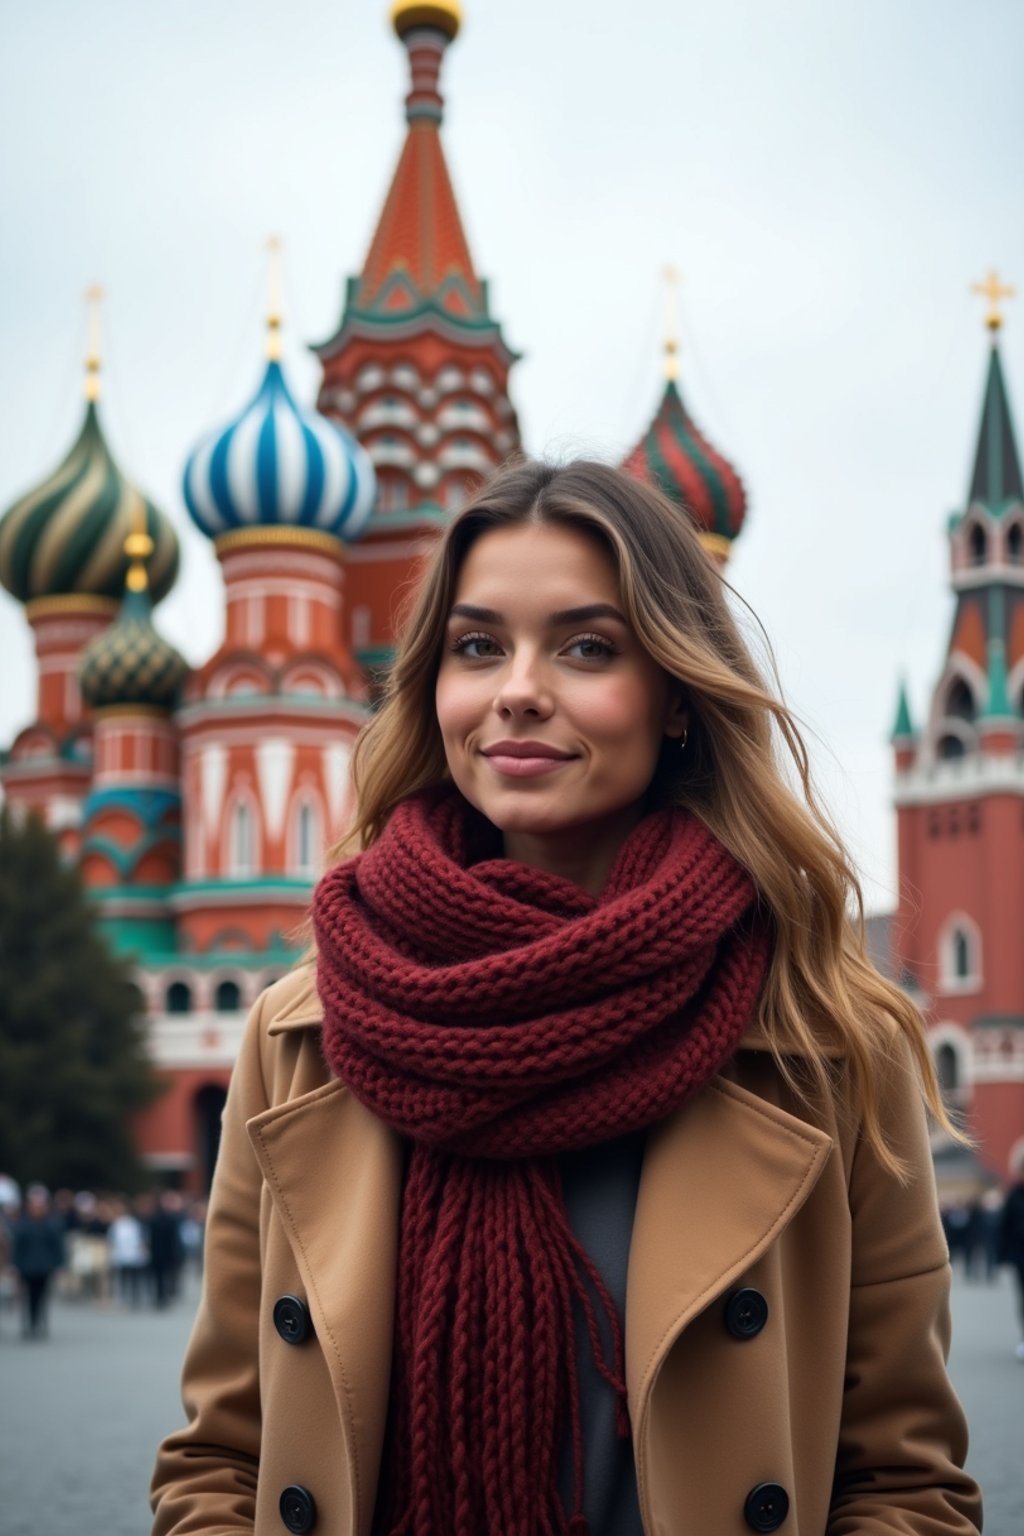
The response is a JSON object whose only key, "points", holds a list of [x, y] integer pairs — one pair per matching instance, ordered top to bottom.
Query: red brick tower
{"points": [[417, 369], [960, 801]]}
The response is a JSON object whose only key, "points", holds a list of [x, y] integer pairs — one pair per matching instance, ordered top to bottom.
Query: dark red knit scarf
{"points": [[497, 1015]]}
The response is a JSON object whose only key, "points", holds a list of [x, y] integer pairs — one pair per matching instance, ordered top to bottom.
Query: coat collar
{"points": [[303, 1009]]}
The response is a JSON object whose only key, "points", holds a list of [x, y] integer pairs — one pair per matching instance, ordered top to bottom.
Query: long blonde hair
{"points": [[822, 996]]}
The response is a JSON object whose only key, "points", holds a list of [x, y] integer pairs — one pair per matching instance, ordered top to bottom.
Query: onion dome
{"points": [[674, 455], [277, 465], [281, 466], [66, 536], [129, 663]]}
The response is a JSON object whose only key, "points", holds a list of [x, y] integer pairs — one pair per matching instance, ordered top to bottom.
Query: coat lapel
{"points": [[334, 1174], [721, 1179]]}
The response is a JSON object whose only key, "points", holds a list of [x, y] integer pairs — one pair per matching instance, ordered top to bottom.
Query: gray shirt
{"points": [[600, 1186]]}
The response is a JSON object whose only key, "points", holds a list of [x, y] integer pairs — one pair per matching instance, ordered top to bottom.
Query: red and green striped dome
{"points": [[674, 455]]}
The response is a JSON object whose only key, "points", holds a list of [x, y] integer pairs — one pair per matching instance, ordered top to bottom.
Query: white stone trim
{"points": [[962, 778], [196, 1041]]}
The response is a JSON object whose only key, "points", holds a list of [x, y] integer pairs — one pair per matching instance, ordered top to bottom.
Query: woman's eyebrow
{"points": [[563, 616]]}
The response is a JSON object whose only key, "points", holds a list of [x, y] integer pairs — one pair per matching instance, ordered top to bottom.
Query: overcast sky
{"points": [[828, 178]]}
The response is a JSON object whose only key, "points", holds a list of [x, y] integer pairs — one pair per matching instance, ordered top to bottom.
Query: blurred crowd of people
{"points": [[102, 1248]]}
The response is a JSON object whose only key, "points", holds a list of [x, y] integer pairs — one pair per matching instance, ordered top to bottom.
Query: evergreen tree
{"points": [[73, 1063]]}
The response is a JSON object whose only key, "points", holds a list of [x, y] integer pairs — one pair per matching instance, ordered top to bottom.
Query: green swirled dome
{"points": [[66, 536], [129, 663]]}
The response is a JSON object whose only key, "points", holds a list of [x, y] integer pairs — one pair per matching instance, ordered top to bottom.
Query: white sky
{"points": [[829, 179]]}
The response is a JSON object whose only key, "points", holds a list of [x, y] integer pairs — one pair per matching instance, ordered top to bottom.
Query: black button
{"points": [[746, 1313], [292, 1320], [766, 1507], [298, 1509]]}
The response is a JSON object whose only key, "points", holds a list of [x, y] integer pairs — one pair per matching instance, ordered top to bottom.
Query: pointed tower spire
{"points": [[419, 253], [418, 367], [996, 477], [903, 728]]}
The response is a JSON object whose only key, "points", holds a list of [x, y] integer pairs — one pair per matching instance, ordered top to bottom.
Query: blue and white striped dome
{"points": [[280, 465]]}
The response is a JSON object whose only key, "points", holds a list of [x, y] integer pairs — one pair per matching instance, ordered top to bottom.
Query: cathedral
{"points": [[198, 803]]}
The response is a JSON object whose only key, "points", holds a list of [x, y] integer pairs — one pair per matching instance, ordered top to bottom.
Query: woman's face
{"points": [[551, 712]]}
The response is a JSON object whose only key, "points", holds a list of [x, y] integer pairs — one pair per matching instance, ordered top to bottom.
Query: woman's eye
{"points": [[477, 647], [591, 647]]}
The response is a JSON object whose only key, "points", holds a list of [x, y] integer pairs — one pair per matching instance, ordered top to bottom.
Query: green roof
{"points": [[996, 478], [904, 726]]}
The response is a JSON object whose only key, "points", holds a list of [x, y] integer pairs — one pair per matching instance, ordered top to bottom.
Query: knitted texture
{"points": [[497, 1015]]}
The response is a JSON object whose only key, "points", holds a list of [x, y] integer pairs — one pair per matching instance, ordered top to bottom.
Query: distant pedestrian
{"points": [[10, 1194], [991, 1209], [86, 1225], [192, 1225], [1011, 1243], [165, 1248], [37, 1252], [129, 1255]]}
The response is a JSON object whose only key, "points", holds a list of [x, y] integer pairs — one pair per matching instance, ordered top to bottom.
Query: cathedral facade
{"points": [[198, 803]]}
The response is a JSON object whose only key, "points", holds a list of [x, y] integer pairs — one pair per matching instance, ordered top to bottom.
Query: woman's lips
{"points": [[526, 759], [525, 767]]}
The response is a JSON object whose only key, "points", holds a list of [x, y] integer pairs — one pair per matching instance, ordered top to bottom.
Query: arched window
{"points": [[1015, 543], [977, 545], [960, 701], [950, 747], [307, 839], [243, 852], [961, 954], [228, 997], [178, 998], [947, 1068], [207, 1109]]}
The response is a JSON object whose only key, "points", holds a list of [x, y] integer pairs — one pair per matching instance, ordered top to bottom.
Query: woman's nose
{"points": [[522, 691]]}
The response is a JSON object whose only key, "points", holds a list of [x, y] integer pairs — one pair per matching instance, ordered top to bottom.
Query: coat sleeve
{"points": [[903, 1436], [205, 1476]]}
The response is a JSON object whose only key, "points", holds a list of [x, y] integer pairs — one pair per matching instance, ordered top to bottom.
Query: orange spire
{"points": [[419, 253]]}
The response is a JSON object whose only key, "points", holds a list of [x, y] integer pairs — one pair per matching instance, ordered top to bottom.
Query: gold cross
{"points": [[671, 277], [993, 290], [93, 297], [274, 308]]}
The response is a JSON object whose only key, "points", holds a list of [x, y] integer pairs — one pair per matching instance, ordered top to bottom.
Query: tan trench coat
{"points": [[841, 1398]]}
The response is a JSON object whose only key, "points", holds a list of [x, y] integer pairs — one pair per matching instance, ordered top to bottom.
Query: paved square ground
{"points": [[81, 1413]]}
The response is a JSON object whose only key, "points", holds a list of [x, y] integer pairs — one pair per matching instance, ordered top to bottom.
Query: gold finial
{"points": [[445, 15], [671, 277], [993, 290], [93, 297], [274, 306], [138, 546]]}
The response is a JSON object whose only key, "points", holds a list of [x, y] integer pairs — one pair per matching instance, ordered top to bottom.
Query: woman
{"points": [[584, 1185]]}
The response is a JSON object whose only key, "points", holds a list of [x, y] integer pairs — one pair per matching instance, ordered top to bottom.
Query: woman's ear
{"points": [[677, 715]]}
